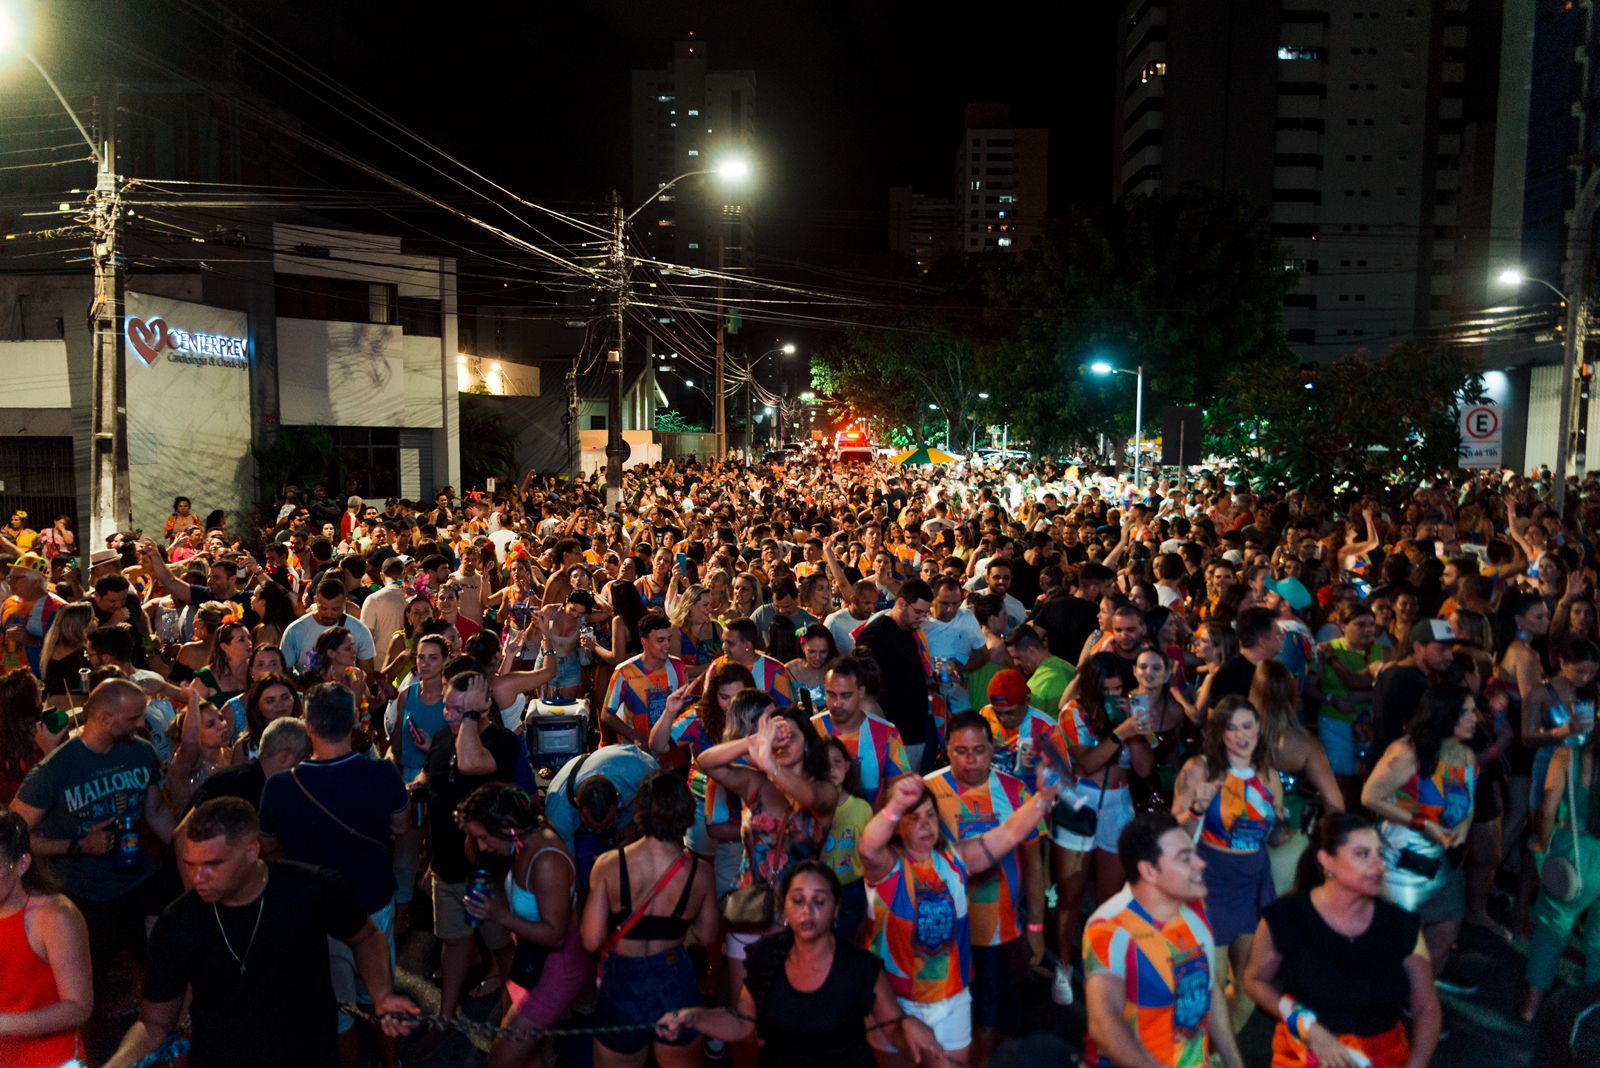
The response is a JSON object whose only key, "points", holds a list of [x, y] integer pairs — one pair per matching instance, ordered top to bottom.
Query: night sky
{"points": [[851, 97]]}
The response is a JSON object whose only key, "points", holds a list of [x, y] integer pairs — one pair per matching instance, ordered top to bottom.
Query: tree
{"points": [[1187, 285], [671, 422], [1355, 424], [488, 447]]}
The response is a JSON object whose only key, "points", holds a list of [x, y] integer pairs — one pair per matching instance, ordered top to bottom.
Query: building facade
{"points": [[1002, 181]]}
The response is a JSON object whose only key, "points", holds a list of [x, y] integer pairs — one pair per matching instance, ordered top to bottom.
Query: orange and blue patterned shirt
{"points": [[639, 697], [880, 761], [1241, 816], [996, 906], [919, 926], [1166, 976]]}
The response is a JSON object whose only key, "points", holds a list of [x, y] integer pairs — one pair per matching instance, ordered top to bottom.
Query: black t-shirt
{"points": [[1067, 624], [1233, 679], [905, 682], [1395, 698], [243, 781], [448, 787], [1356, 986], [281, 1010], [827, 1025]]}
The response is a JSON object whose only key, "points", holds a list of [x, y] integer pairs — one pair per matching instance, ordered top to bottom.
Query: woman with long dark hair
{"points": [[274, 607], [628, 608], [269, 697], [22, 730], [1106, 746], [1301, 762], [780, 772], [1422, 791], [1232, 796], [643, 900], [537, 903], [1339, 966], [48, 990], [808, 994]]}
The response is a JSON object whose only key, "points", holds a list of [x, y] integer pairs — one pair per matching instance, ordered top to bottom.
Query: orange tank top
{"points": [[29, 984]]}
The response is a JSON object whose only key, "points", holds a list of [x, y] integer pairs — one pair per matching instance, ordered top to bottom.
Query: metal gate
{"points": [[40, 477]]}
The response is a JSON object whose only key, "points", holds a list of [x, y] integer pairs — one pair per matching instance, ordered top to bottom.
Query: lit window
{"points": [[1291, 52], [1156, 68], [665, 98], [694, 111], [694, 152], [977, 185], [1007, 198], [1002, 215], [1004, 242], [694, 244]]}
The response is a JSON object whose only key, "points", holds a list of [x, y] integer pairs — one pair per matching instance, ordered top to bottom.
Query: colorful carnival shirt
{"points": [[652, 593], [696, 651], [771, 677], [639, 697], [1035, 726], [875, 746], [1445, 797], [1241, 816], [996, 899], [919, 926], [1166, 976]]}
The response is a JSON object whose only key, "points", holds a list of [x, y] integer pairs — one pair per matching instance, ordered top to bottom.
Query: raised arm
{"points": [[984, 852]]}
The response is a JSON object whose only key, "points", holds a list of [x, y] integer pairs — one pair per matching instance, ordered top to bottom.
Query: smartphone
{"points": [[682, 560]]}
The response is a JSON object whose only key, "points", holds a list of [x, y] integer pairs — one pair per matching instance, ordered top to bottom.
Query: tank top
{"points": [[422, 718], [1445, 797], [1241, 815], [524, 902], [652, 928], [29, 984]]}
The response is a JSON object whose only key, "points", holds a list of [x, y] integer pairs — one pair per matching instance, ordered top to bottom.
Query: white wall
{"points": [[33, 374], [341, 374], [1544, 411], [189, 418]]}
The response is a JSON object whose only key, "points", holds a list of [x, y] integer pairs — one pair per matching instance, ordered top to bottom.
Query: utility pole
{"points": [[1577, 282], [614, 358], [719, 385], [110, 508]]}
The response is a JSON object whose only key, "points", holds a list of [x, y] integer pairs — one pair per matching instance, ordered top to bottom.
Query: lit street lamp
{"points": [[732, 170], [1513, 276], [788, 349], [1101, 367]]}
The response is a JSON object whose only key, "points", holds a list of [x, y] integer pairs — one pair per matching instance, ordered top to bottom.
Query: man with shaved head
{"points": [[73, 800]]}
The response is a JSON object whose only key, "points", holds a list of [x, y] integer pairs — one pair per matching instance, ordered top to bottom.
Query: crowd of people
{"points": [[786, 763]]}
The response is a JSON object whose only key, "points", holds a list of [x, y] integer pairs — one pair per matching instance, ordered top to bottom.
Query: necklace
{"points": [[261, 905]]}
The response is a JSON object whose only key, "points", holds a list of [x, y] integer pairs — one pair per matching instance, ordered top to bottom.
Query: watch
{"points": [[473, 714]]}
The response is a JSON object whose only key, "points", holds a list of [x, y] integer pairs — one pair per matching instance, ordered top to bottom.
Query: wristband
{"points": [[1036, 928], [1296, 1017]]}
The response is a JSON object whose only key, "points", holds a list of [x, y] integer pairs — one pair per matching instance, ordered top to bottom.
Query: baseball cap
{"points": [[1292, 590], [1432, 630], [1010, 685]]}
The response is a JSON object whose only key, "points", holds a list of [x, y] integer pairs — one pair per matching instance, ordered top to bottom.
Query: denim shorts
{"points": [[641, 990]]}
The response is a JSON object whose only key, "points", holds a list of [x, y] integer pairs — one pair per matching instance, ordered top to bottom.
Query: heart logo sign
{"points": [[148, 339]]}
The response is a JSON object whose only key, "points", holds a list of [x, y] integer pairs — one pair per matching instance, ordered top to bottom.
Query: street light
{"points": [[732, 169], [1513, 276], [788, 349], [1101, 367], [109, 502]]}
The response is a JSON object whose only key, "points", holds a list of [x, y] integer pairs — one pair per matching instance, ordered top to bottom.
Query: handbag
{"points": [[1081, 820], [1419, 863], [1562, 878], [754, 907]]}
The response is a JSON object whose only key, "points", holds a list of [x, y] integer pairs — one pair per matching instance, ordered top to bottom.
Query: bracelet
{"points": [[1417, 822], [1035, 928], [1296, 1017]]}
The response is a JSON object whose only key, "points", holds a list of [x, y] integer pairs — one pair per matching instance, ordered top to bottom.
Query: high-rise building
{"points": [[687, 117], [1345, 120], [1002, 181], [921, 228]]}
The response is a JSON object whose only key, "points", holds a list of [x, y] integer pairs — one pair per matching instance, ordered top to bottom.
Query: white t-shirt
{"points": [[300, 638], [956, 640]]}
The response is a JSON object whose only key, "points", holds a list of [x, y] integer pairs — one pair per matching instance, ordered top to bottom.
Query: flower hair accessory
{"points": [[234, 614]]}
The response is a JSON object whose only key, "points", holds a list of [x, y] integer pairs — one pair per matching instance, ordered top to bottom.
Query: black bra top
{"points": [[669, 928]]}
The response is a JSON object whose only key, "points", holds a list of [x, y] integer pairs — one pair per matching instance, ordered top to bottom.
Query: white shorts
{"points": [[1116, 812], [950, 1021]]}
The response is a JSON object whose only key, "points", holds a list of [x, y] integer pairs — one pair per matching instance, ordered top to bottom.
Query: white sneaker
{"points": [[1061, 987]]}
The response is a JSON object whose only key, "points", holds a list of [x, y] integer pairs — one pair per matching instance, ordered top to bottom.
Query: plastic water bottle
{"points": [[478, 889]]}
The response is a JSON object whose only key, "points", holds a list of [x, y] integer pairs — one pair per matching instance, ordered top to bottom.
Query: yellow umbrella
{"points": [[927, 454]]}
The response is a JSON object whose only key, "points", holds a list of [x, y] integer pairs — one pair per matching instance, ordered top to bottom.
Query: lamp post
{"points": [[732, 170], [1579, 242], [787, 349], [1101, 367], [109, 502]]}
